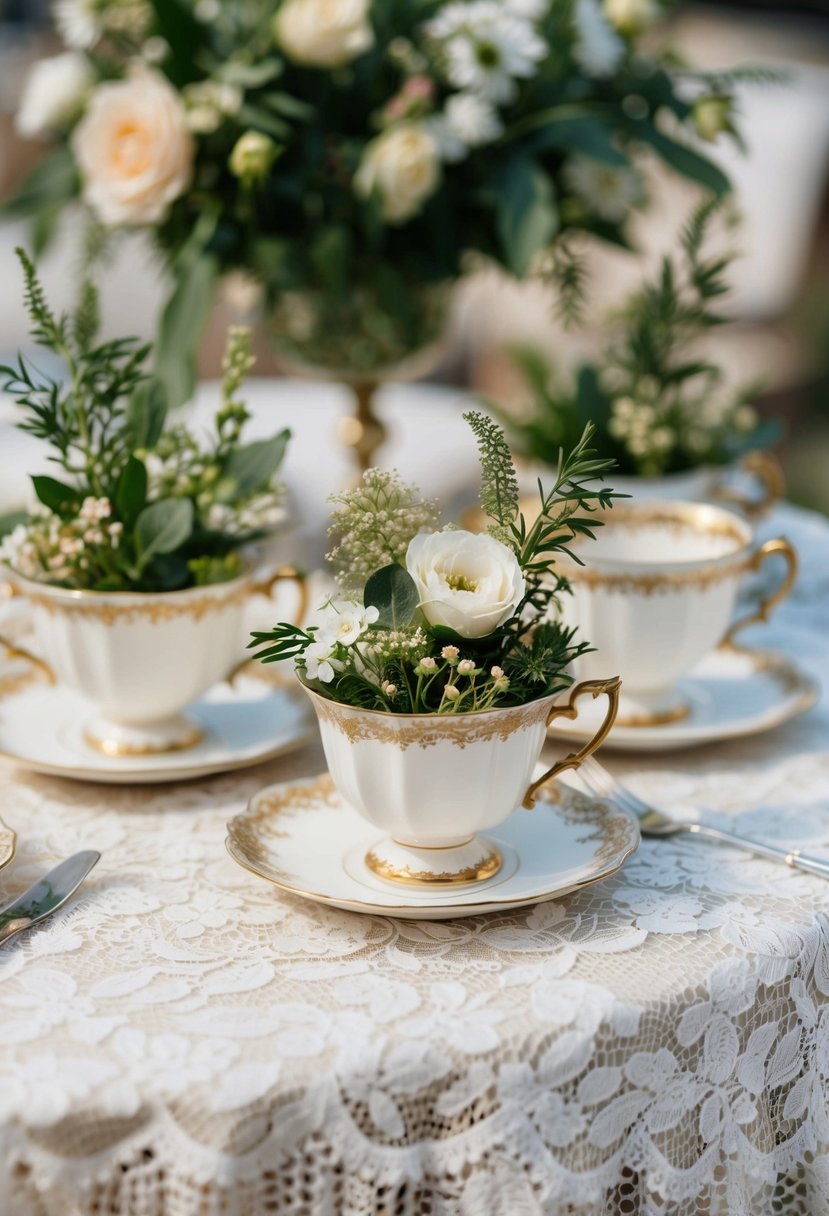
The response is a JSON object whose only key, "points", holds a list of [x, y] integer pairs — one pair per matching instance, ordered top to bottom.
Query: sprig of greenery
{"points": [[499, 483]]}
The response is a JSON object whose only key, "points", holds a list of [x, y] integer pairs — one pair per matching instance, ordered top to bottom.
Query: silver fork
{"points": [[654, 823]]}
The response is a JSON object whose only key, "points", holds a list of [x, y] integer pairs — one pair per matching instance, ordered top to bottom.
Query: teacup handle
{"points": [[769, 473], [264, 586], [10, 592], [769, 602], [610, 688]]}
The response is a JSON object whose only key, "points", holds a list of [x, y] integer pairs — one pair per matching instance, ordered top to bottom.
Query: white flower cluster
{"points": [[82, 23], [486, 47], [657, 434], [373, 525], [69, 552], [339, 624]]}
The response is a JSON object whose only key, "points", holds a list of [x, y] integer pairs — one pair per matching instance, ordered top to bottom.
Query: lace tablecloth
{"points": [[184, 1040]]}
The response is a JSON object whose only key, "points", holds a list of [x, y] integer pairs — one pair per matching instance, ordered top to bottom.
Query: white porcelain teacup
{"points": [[657, 593], [140, 658], [431, 782]]}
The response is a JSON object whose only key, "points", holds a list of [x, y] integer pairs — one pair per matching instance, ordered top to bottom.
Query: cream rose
{"points": [[631, 16], [323, 33], [54, 94], [134, 150], [403, 166], [466, 581]]}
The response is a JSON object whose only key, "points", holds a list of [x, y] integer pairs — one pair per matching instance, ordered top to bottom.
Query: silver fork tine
{"points": [[605, 785]]}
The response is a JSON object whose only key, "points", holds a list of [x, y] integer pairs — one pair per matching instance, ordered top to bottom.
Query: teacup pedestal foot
{"points": [[651, 709], [173, 734], [473, 860]]}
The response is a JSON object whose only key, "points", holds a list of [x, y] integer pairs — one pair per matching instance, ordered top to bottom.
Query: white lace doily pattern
{"points": [[184, 1040]]}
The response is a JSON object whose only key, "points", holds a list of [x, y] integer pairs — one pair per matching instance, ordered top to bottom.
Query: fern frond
{"points": [[47, 330], [499, 483]]}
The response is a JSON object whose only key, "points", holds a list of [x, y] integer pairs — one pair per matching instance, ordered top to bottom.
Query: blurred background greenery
{"points": [[779, 309]]}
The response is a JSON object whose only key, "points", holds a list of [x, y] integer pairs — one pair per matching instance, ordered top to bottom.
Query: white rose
{"points": [[323, 33], [54, 94], [134, 149], [403, 166], [466, 581]]}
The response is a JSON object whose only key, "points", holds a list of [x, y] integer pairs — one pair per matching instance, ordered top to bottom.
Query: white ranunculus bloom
{"points": [[323, 33], [54, 93], [134, 149], [403, 166], [466, 581]]}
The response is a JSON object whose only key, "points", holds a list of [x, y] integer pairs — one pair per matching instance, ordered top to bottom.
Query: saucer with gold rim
{"points": [[733, 692], [235, 726], [307, 841]]}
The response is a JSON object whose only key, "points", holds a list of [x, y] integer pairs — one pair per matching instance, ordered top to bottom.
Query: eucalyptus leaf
{"points": [[685, 160], [527, 215], [182, 322], [147, 412], [251, 468], [131, 491], [55, 494], [163, 527], [392, 591]]}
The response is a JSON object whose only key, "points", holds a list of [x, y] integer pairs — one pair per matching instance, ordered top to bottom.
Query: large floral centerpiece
{"points": [[348, 154]]}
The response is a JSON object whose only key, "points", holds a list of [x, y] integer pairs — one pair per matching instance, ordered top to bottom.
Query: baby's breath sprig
{"points": [[373, 524]]}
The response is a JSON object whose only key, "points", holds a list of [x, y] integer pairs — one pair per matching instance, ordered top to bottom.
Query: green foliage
{"points": [[499, 483], [108, 524], [392, 591]]}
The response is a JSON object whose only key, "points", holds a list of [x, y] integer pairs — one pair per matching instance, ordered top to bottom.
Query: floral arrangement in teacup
{"points": [[354, 151], [659, 403], [141, 505], [445, 621], [438, 666]]}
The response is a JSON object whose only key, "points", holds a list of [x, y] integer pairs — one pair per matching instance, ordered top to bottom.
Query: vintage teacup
{"points": [[657, 594], [140, 657], [432, 782]]}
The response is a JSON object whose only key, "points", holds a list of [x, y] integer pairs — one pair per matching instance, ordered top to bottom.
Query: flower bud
{"points": [[712, 116], [252, 156]]}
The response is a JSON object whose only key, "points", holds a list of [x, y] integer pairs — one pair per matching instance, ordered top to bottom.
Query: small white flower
{"points": [[487, 48], [598, 49], [54, 94], [468, 121], [608, 190], [344, 621], [450, 653], [318, 665], [426, 666], [466, 667], [496, 672], [388, 688], [451, 692]]}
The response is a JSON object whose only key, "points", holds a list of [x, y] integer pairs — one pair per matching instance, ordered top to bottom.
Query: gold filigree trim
{"points": [[701, 518], [155, 609], [19, 681], [426, 730], [118, 747], [246, 842], [486, 867]]}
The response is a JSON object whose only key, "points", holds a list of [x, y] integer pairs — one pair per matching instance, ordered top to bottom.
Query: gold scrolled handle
{"points": [[769, 473], [264, 586], [769, 602], [19, 652], [595, 688]]}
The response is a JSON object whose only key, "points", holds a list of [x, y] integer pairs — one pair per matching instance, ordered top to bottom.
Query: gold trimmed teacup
{"points": [[657, 593], [141, 657], [432, 782]]}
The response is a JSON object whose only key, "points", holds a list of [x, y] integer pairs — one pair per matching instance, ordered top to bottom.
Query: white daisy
{"points": [[487, 48], [598, 48], [468, 121], [608, 190]]}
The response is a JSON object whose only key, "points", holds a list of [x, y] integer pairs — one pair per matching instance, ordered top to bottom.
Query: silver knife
{"points": [[47, 895]]}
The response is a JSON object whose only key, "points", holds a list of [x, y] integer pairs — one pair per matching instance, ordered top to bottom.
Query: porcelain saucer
{"points": [[734, 691], [41, 728], [303, 838], [8, 844]]}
